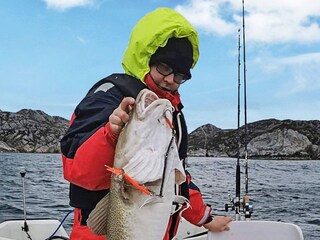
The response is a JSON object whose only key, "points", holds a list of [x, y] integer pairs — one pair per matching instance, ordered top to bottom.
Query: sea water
{"points": [[285, 190]]}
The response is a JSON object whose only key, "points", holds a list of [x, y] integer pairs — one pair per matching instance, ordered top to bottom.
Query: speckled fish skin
{"points": [[127, 213]]}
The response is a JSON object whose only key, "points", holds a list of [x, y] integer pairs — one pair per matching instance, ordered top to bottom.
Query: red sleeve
{"points": [[89, 144], [87, 168], [198, 212]]}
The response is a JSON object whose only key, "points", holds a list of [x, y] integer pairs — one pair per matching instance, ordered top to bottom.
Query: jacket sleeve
{"points": [[89, 144], [199, 213]]}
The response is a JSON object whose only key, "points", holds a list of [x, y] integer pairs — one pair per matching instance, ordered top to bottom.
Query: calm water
{"points": [[281, 190]]}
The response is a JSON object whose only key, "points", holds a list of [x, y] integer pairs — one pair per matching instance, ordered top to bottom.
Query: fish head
{"points": [[147, 102]]}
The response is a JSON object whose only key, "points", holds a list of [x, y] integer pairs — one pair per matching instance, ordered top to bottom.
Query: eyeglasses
{"points": [[166, 70]]}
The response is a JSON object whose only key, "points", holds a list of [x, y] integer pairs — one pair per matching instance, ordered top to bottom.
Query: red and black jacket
{"points": [[89, 144]]}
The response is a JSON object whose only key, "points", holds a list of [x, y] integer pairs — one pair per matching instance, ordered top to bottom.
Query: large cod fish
{"points": [[145, 171]]}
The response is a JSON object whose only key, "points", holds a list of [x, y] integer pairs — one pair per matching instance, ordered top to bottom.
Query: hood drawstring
{"points": [[174, 98]]}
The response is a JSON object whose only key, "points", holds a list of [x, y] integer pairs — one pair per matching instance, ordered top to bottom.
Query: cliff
{"points": [[268, 139]]}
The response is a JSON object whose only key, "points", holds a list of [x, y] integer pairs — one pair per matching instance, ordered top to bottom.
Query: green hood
{"points": [[151, 32]]}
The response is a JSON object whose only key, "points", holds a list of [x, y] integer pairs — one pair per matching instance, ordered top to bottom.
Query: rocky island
{"points": [[31, 131], [34, 131], [267, 139]]}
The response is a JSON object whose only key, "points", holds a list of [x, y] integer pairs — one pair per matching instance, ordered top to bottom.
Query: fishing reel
{"points": [[230, 205], [242, 207], [247, 207]]}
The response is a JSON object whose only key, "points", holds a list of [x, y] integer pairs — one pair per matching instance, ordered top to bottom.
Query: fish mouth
{"points": [[146, 98], [149, 98], [148, 101]]}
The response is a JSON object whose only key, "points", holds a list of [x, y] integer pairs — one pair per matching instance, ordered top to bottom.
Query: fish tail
{"points": [[98, 220]]}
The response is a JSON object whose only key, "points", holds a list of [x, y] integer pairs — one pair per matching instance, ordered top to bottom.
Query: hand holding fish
{"points": [[120, 115], [218, 224]]}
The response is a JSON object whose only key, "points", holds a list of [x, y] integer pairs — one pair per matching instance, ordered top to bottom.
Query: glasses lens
{"points": [[164, 69], [179, 78]]}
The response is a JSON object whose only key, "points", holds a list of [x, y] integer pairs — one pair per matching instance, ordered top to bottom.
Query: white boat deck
{"points": [[39, 229], [42, 229]]}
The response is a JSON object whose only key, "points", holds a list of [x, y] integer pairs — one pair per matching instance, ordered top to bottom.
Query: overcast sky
{"points": [[53, 51]]}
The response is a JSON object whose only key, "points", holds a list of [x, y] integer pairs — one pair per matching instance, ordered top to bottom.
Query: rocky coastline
{"points": [[31, 131], [34, 131], [266, 139]]}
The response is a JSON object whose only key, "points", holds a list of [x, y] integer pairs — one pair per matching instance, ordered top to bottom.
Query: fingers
{"points": [[127, 104], [120, 115], [227, 220], [219, 224]]}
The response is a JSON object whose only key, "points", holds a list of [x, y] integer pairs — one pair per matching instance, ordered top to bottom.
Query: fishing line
{"points": [[168, 121], [165, 166]]}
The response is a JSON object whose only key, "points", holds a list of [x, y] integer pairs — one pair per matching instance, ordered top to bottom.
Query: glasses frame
{"points": [[178, 78]]}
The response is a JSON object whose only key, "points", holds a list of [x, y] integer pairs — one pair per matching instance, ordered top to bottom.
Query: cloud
{"points": [[65, 4], [207, 16], [267, 21], [81, 40], [300, 59], [303, 72], [305, 76]]}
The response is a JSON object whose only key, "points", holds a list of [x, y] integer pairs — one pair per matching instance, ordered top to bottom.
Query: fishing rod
{"points": [[238, 172], [235, 204], [241, 206], [247, 206]]}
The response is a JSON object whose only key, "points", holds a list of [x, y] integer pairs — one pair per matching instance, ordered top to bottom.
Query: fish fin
{"points": [[146, 166], [180, 175], [151, 200], [181, 201], [98, 220]]}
